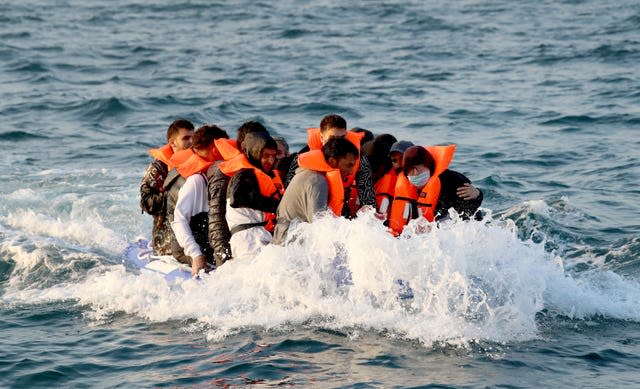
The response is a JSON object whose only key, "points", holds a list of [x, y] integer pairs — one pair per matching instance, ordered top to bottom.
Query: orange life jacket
{"points": [[315, 143], [227, 148], [163, 154], [180, 157], [314, 160], [195, 164], [269, 186], [385, 189], [406, 194]]}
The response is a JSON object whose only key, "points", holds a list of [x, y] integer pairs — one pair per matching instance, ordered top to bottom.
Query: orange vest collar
{"points": [[227, 148], [163, 154], [180, 157], [314, 160], [195, 164]]}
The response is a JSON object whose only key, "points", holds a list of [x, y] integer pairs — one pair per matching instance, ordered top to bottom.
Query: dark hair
{"points": [[332, 121], [175, 127], [248, 127], [205, 135], [368, 135], [386, 139], [338, 148], [377, 152], [417, 155]]}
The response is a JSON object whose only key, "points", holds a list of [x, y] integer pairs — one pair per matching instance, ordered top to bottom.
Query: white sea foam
{"points": [[85, 229], [469, 280]]}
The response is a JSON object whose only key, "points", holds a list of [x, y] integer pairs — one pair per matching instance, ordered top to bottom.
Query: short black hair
{"points": [[332, 121], [175, 127], [247, 127], [205, 135], [338, 148]]}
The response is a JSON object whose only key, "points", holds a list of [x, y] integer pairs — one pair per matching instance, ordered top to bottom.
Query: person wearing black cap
{"points": [[386, 162], [428, 188]]}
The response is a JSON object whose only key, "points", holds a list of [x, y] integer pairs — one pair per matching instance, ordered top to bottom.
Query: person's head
{"points": [[332, 126], [246, 128], [180, 135], [368, 135], [203, 141], [283, 147], [260, 149], [377, 152], [341, 154], [396, 154], [418, 165]]}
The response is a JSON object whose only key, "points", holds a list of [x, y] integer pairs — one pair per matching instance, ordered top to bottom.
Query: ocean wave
{"points": [[20, 136], [470, 281]]}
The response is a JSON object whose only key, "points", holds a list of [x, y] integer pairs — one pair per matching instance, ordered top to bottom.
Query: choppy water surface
{"points": [[540, 97]]}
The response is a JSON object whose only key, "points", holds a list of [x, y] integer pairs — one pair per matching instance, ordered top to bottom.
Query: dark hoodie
{"points": [[242, 190]]}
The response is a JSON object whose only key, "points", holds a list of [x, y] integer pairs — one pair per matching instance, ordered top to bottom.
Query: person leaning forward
{"points": [[318, 185], [359, 185], [190, 217], [219, 232]]}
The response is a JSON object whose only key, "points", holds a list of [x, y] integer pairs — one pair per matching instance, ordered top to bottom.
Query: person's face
{"points": [[332, 132], [182, 140], [281, 153], [268, 159], [396, 160], [346, 165]]}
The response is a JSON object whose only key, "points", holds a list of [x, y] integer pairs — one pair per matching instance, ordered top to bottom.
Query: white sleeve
{"points": [[186, 207]]}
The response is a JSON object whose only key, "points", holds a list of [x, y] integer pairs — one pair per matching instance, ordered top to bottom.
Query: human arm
{"points": [[364, 183], [453, 184], [152, 196], [189, 197], [219, 233]]}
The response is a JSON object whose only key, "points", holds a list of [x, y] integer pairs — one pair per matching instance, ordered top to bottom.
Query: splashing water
{"points": [[469, 281]]}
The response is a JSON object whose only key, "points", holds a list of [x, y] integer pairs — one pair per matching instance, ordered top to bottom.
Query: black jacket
{"points": [[450, 181], [152, 198], [219, 233]]}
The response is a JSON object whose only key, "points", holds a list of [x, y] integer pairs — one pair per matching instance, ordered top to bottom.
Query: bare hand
{"points": [[468, 192], [198, 263]]}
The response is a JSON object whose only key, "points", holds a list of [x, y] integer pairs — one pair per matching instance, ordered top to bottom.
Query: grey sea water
{"points": [[542, 99]]}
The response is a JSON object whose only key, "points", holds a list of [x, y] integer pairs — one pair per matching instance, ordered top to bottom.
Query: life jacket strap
{"points": [[246, 226]]}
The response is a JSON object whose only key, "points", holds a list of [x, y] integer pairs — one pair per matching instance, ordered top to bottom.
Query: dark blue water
{"points": [[542, 99]]}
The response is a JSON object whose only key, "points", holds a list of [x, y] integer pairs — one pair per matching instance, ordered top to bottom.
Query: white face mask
{"points": [[421, 179]]}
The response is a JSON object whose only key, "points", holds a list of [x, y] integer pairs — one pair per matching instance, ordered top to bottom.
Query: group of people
{"points": [[213, 198]]}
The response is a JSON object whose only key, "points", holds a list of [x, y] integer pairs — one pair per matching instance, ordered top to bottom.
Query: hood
{"points": [[254, 143]]}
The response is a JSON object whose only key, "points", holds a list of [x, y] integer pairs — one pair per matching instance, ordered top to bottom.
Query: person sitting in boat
{"points": [[283, 158], [384, 177], [359, 185], [317, 186], [427, 188], [253, 195], [153, 199], [190, 216], [219, 232]]}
